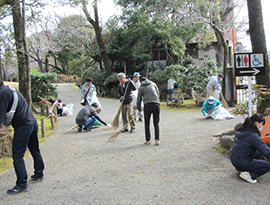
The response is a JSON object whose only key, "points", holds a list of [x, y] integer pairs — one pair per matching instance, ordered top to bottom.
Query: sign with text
{"points": [[249, 64]]}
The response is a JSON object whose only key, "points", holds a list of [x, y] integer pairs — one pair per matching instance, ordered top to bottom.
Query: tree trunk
{"points": [[97, 28], [258, 43], [219, 51], [22, 53], [1, 65]]}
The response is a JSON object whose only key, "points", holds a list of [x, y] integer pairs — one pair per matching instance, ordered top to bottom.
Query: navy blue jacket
{"points": [[23, 114], [247, 142]]}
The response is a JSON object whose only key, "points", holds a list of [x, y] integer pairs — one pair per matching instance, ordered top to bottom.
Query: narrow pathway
{"points": [[86, 168]]}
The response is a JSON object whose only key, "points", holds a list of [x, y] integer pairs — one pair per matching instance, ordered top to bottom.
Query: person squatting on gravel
{"points": [[125, 89], [149, 93], [88, 116], [25, 135], [248, 148]]}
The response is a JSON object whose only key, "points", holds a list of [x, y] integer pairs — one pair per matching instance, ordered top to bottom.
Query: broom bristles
{"points": [[223, 101], [115, 123], [115, 135]]}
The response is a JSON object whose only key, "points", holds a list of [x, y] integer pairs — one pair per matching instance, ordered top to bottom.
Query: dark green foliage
{"points": [[188, 76], [197, 77], [41, 85], [111, 85]]}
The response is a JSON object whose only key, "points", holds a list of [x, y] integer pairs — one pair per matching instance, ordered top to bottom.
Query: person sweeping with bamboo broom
{"points": [[125, 89]]}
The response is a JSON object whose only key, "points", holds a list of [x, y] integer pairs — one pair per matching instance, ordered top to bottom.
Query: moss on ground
{"points": [[188, 105], [221, 149]]}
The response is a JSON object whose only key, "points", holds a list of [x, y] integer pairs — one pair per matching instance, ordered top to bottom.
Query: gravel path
{"points": [[86, 168]]}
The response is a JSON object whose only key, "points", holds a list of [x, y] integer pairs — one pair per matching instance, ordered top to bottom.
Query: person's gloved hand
{"points": [[122, 98], [219, 106], [206, 115], [109, 125]]}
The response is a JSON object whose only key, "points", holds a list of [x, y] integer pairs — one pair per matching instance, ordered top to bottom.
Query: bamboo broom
{"points": [[115, 123], [72, 128], [116, 134]]}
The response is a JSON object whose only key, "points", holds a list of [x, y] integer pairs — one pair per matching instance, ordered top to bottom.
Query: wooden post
{"points": [[47, 110], [56, 115], [52, 122], [42, 128]]}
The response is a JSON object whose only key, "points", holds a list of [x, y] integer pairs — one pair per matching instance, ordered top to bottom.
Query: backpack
{"points": [[9, 116]]}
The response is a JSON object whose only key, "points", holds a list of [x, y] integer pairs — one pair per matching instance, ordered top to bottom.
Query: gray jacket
{"points": [[148, 92], [87, 112]]}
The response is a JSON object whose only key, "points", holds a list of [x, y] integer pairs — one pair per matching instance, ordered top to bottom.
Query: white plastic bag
{"points": [[68, 110], [221, 114]]}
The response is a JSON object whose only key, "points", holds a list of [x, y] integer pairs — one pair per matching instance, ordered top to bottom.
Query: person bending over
{"points": [[88, 116]]}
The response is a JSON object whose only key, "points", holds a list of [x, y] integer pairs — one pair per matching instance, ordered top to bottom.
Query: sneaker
{"points": [[79, 129], [87, 129], [125, 130], [132, 131], [147, 143], [157, 143], [246, 176], [37, 177], [17, 190]]}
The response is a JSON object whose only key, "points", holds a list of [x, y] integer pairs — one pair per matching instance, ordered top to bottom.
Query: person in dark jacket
{"points": [[125, 89], [149, 93], [88, 116], [25, 135], [248, 148]]}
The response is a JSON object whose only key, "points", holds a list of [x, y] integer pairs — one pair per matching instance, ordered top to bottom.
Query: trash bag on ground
{"points": [[68, 110], [221, 114]]}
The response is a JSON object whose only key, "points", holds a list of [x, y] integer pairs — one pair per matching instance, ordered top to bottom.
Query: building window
{"points": [[159, 55]]}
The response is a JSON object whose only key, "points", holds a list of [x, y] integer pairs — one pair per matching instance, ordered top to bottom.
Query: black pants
{"points": [[151, 108], [26, 136], [256, 167]]}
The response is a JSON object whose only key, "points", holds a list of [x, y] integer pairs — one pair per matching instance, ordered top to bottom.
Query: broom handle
{"points": [[125, 94], [129, 122], [116, 134]]}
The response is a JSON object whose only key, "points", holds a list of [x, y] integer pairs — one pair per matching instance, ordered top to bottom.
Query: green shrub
{"points": [[41, 85]]}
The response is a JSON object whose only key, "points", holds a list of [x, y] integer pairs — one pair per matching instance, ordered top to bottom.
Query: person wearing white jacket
{"points": [[136, 82], [213, 87]]}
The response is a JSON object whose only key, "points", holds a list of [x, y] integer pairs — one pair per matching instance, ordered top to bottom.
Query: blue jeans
{"points": [[170, 94], [89, 123], [26, 136]]}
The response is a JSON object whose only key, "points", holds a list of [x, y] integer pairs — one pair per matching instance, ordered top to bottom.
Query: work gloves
{"points": [[122, 98]]}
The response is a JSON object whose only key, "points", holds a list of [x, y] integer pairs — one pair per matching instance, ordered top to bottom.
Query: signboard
{"points": [[249, 64]]}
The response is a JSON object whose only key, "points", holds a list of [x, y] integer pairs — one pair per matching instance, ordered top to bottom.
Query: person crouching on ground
{"points": [[149, 93], [210, 105], [88, 116], [248, 148]]}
